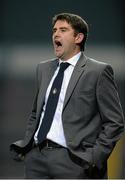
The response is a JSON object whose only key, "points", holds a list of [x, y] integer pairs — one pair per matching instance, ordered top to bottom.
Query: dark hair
{"points": [[77, 23]]}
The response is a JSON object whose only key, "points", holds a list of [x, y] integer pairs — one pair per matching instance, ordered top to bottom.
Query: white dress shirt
{"points": [[56, 133]]}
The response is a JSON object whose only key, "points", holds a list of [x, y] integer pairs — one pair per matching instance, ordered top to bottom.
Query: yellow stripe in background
{"points": [[115, 161]]}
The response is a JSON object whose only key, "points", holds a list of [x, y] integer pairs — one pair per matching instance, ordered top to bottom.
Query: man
{"points": [[76, 118]]}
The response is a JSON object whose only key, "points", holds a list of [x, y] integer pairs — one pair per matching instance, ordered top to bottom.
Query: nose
{"points": [[56, 33]]}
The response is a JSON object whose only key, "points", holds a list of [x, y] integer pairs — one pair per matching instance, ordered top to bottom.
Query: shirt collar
{"points": [[72, 60]]}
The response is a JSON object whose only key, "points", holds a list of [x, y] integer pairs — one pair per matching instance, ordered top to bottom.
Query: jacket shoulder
{"points": [[47, 62], [94, 62], [96, 65]]}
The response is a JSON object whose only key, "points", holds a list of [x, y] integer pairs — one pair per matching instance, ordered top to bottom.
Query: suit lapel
{"points": [[78, 70], [47, 74]]}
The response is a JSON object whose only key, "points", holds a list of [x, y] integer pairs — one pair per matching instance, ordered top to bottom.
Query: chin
{"points": [[59, 56]]}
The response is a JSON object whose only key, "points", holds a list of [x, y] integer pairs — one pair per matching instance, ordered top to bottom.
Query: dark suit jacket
{"points": [[92, 115]]}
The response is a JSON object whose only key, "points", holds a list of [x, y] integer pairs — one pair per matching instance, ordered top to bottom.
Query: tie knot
{"points": [[63, 66]]}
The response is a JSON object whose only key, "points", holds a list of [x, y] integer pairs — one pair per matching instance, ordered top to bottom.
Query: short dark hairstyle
{"points": [[77, 23]]}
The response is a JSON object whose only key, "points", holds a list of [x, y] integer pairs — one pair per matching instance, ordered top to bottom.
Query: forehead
{"points": [[62, 23]]}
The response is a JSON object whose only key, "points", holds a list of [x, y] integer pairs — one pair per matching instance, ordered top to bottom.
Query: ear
{"points": [[79, 37]]}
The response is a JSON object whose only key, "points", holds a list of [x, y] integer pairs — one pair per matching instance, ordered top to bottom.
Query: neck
{"points": [[69, 56]]}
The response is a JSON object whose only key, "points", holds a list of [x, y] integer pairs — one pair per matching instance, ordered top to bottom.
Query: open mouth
{"points": [[58, 43]]}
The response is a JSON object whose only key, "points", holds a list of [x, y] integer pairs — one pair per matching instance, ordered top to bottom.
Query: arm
{"points": [[111, 116], [20, 147]]}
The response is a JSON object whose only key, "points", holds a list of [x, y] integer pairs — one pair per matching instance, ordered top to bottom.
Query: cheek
{"points": [[68, 43]]}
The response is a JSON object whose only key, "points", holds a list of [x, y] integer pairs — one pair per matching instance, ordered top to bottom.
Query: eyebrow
{"points": [[60, 28]]}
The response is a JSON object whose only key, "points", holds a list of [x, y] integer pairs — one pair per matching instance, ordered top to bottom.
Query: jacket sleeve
{"points": [[111, 116], [20, 147]]}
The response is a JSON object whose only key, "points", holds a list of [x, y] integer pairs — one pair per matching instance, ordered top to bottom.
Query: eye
{"points": [[63, 30], [53, 31]]}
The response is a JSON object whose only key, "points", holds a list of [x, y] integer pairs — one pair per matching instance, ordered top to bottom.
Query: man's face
{"points": [[64, 40]]}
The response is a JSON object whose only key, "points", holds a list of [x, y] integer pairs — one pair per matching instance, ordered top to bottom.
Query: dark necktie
{"points": [[51, 103]]}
